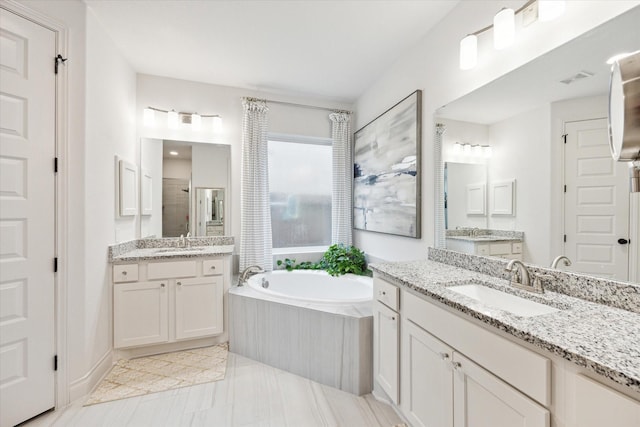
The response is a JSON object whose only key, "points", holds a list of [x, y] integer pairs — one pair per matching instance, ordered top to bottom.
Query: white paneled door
{"points": [[596, 202], [27, 206]]}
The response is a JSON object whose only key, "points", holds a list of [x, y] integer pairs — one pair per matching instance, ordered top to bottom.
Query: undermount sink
{"points": [[494, 298]]}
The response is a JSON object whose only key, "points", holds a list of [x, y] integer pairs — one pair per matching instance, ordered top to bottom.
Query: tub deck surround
{"points": [[146, 249], [600, 338], [326, 342]]}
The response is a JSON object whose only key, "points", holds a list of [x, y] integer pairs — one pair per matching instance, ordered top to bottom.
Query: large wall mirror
{"points": [[546, 124], [189, 191]]}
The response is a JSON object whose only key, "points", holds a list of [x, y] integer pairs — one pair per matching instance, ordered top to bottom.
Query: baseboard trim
{"points": [[84, 385]]}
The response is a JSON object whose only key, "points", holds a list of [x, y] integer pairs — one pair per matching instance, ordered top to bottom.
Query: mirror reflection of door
{"points": [[175, 207]]}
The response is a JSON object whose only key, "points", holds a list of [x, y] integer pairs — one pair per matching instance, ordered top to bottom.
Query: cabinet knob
{"points": [[213, 267], [124, 273], [179, 283], [162, 285], [444, 356], [456, 365]]}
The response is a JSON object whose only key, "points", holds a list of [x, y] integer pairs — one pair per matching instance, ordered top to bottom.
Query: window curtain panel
{"points": [[341, 210], [255, 232], [440, 241]]}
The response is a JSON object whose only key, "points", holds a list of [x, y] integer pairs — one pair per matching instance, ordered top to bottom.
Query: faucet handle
{"points": [[537, 281]]}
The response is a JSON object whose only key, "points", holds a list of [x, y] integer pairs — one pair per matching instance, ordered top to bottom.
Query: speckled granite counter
{"points": [[485, 238], [168, 248], [603, 339]]}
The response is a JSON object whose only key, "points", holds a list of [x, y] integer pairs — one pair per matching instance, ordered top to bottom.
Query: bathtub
{"points": [[314, 286], [308, 323]]}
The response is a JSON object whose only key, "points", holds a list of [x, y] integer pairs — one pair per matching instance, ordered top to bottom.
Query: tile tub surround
{"points": [[144, 249], [624, 295], [600, 338], [326, 343]]}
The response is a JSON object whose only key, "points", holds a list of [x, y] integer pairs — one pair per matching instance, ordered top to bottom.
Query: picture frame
{"points": [[387, 159]]}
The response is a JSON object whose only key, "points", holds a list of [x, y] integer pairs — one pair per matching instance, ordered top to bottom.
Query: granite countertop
{"points": [[486, 238], [164, 253], [600, 338]]}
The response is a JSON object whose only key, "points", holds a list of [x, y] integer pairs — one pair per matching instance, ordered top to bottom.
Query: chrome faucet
{"points": [[475, 232], [181, 242], [566, 261], [248, 272]]}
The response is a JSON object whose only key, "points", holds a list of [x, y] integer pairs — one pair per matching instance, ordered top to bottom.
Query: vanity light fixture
{"points": [[504, 27], [469, 52], [175, 118], [172, 119], [473, 150]]}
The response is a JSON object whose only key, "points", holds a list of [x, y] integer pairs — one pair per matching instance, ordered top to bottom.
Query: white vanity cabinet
{"points": [[500, 249], [168, 301], [386, 338], [454, 373], [592, 397]]}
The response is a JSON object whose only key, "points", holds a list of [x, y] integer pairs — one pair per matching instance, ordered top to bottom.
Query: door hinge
{"points": [[57, 61], [564, 138], [55, 165], [565, 188], [565, 238], [55, 265], [55, 362]]}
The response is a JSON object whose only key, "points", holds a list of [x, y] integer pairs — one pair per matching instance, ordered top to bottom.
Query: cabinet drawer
{"points": [[516, 248], [500, 249], [482, 250], [212, 267], [168, 270], [125, 273], [386, 293], [525, 370]]}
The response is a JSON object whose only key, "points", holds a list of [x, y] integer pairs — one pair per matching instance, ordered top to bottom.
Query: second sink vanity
{"points": [[169, 297], [453, 344]]}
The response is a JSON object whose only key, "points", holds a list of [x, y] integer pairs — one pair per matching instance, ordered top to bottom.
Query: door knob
{"points": [[623, 241]]}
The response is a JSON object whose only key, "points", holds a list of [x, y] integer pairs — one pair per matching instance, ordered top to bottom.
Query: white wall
{"points": [[432, 65], [181, 95], [101, 124], [522, 151]]}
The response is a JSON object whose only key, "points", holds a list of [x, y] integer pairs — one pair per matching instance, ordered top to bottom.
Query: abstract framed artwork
{"points": [[386, 185]]}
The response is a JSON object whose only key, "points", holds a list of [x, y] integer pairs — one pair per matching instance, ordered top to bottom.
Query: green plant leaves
{"points": [[337, 260]]}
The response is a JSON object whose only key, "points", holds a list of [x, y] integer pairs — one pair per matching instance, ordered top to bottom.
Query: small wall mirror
{"points": [[190, 194]]}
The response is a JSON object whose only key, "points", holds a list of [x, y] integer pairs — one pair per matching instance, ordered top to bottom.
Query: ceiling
{"points": [[331, 49], [540, 81]]}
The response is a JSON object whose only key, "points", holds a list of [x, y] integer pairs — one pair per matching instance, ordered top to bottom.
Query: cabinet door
{"points": [[199, 307], [140, 313], [385, 349], [427, 378], [483, 400], [598, 405]]}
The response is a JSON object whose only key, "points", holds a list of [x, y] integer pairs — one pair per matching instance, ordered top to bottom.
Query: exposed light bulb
{"points": [[549, 10], [504, 29], [468, 52], [148, 117], [172, 119], [196, 121], [217, 124], [457, 148], [466, 148], [477, 150], [487, 151]]}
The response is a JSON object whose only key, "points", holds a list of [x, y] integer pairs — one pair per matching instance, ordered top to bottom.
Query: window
{"points": [[300, 191]]}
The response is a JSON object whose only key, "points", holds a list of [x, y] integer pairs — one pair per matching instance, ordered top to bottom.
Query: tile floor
{"points": [[252, 394]]}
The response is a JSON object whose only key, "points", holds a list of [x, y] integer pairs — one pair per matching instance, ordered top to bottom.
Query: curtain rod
{"points": [[293, 104]]}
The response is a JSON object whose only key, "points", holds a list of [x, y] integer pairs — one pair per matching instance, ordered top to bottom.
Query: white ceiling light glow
{"points": [[548, 10], [504, 29], [468, 52], [149, 117], [172, 120], [196, 121]]}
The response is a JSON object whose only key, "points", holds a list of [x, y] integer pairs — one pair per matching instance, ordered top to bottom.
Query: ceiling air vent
{"points": [[579, 76]]}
